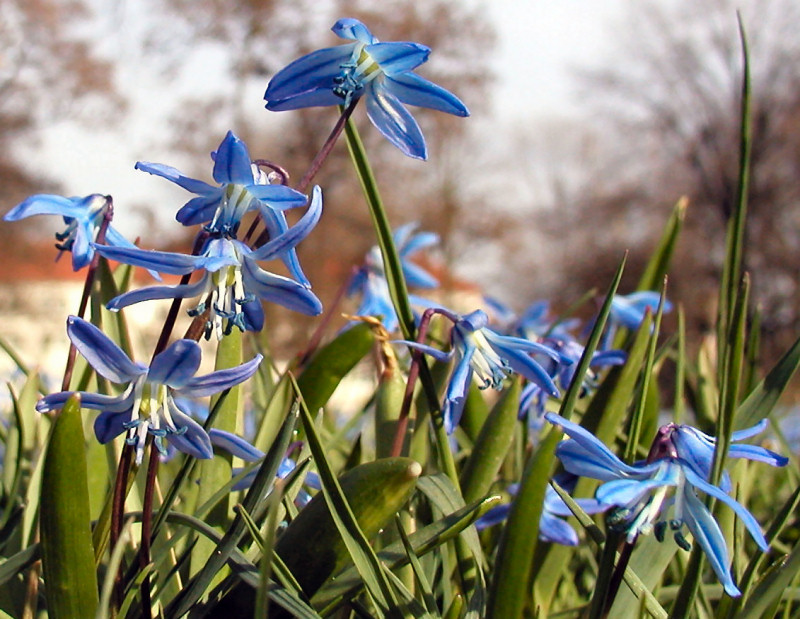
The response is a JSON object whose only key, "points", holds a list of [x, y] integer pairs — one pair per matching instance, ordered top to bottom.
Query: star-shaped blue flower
{"points": [[382, 73], [242, 187], [83, 217], [232, 283], [479, 351], [147, 405], [680, 458]]}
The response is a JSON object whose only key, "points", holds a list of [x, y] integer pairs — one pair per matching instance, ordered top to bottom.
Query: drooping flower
{"points": [[382, 73], [242, 187], [83, 217], [370, 279], [233, 284], [628, 311], [491, 357], [533, 398], [147, 406], [241, 448], [680, 458], [551, 526]]}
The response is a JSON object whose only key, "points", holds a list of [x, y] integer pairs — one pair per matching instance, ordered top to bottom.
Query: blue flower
{"points": [[380, 72], [242, 187], [83, 217], [370, 279], [233, 282], [629, 310], [492, 357], [534, 398], [147, 406], [680, 458], [551, 526]]}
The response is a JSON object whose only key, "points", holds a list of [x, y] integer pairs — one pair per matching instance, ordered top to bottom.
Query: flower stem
{"points": [[327, 147], [315, 166], [413, 373], [147, 527]]}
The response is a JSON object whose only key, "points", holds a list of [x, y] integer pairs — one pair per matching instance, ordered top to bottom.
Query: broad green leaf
{"points": [[332, 362], [388, 404], [491, 446], [214, 473], [377, 491], [67, 553], [348, 583]]}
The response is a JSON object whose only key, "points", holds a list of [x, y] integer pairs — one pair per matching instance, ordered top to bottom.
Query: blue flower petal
{"points": [[353, 29], [398, 56], [308, 73], [412, 89], [318, 97], [395, 122], [232, 162], [176, 176], [278, 197], [46, 204], [200, 209], [276, 225], [293, 235], [162, 261], [279, 289], [152, 293], [108, 359], [176, 365], [201, 386], [94, 401], [110, 425], [191, 438], [235, 445], [595, 451], [623, 492], [749, 521], [557, 531], [706, 532]]}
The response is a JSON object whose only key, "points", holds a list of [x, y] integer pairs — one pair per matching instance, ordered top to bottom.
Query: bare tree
{"points": [[670, 105]]}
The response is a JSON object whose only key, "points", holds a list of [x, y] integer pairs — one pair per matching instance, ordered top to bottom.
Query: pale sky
{"points": [[538, 42]]}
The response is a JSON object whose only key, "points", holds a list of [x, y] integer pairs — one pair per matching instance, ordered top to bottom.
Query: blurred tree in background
{"points": [[47, 72], [665, 123], [530, 209]]}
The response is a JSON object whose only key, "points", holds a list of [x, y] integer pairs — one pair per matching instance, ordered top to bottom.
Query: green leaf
{"points": [[658, 266], [332, 362], [765, 396], [491, 446], [267, 472], [214, 473], [378, 490], [67, 553], [348, 583], [772, 586], [509, 592]]}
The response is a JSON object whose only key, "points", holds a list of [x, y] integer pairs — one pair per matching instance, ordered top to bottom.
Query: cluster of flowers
{"points": [[232, 286]]}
